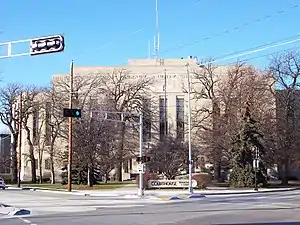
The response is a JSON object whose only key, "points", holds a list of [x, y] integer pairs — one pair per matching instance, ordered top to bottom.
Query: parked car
{"points": [[2, 184]]}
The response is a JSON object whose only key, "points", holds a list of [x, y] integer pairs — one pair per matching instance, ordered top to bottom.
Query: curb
{"points": [[252, 192], [180, 197]]}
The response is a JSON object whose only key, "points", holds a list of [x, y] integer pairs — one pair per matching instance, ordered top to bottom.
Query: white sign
{"points": [[141, 168], [171, 183]]}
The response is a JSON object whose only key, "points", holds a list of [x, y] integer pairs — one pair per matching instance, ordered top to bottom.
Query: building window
{"points": [[180, 118], [163, 120], [146, 121], [47, 123], [35, 125], [36, 164], [47, 164], [130, 164], [126, 167]]}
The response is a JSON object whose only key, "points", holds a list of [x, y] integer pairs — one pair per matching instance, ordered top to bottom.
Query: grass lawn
{"points": [[101, 186]]}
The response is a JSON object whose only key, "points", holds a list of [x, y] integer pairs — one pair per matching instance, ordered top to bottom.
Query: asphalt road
{"points": [[252, 209]]}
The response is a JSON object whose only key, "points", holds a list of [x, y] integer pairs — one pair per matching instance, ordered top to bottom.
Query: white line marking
{"points": [[117, 206], [26, 221]]}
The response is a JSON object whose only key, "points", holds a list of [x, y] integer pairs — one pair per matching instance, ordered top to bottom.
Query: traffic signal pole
{"points": [[37, 46], [70, 131], [20, 139], [141, 180]]}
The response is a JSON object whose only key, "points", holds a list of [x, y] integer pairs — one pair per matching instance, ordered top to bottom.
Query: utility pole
{"points": [[166, 121], [70, 131], [190, 131], [20, 139]]}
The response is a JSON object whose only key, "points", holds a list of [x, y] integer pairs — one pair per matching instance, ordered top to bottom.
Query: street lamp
{"points": [[190, 130], [255, 150]]}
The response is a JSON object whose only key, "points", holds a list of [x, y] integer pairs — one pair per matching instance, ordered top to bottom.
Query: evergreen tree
{"points": [[243, 174]]}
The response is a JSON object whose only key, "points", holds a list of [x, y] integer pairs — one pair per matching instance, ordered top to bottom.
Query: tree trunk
{"points": [[217, 152], [51, 153], [31, 155], [14, 159], [32, 164], [52, 168], [217, 170], [285, 171], [41, 172], [119, 174], [89, 183]]}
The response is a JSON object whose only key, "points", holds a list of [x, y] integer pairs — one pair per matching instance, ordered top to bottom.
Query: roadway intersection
{"points": [[256, 208]]}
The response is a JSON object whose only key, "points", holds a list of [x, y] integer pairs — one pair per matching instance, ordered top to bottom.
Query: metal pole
{"points": [[166, 122], [189, 127], [70, 131], [20, 140], [255, 170], [141, 180]]}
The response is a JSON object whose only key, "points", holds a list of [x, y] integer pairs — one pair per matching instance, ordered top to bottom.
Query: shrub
{"points": [[146, 178], [203, 180]]}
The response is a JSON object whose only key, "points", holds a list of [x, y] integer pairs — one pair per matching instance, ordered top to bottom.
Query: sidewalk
{"points": [[131, 192]]}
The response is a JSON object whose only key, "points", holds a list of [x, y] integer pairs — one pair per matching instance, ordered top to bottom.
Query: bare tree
{"points": [[285, 68], [227, 89], [124, 95], [8, 99], [31, 109], [54, 121], [168, 157]]}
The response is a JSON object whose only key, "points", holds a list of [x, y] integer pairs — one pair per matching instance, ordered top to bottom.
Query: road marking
{"points": [[117, 206], [27, 221]]}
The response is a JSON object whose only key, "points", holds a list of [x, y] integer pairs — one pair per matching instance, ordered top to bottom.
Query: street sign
{"points": [[141, 168]]}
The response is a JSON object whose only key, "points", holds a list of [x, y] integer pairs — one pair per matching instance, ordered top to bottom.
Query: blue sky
{"points": [[98, 32]]}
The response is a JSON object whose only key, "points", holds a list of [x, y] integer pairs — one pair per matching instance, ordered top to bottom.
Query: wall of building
{"points": [[5, 153]]}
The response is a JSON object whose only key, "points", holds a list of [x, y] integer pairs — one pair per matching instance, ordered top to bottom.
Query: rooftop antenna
{"points": [[156, 38]]}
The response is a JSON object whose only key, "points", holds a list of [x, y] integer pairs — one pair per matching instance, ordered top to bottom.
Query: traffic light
{"points": [[48, 44], [72, 113], [143, 159]]}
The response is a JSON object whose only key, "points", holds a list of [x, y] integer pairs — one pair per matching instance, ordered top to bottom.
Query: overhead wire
{"points": [[227, 31], [122, 38], [257, 49], [260, 56]]}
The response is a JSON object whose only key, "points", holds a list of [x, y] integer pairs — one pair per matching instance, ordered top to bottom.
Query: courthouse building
{"points": [[176, 72]]}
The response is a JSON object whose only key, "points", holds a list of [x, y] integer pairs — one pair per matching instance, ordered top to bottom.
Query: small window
{"points": [[47, 164]]}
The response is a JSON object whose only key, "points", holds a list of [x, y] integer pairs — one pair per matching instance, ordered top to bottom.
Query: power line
{"points": [[227, 31], [122, 38], [260, 46], [257, 49], [254, 50], [260, 56]]}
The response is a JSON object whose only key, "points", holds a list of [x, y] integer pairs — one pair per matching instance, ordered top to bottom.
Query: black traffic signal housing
{"points": [[48, 44], [76, 113], [143, 159]]}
